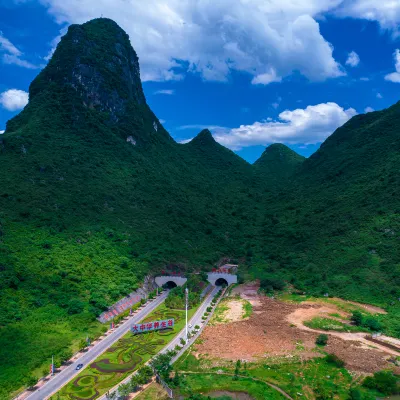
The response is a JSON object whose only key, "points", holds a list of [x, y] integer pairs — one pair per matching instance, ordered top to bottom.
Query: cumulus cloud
{"points": [[385, 12], [211, 38], [11, 54], [353, 59], [395, 76], [165, 91], [379, 96], [14, 99], [368, 109], [306, 126], [1, 132]]}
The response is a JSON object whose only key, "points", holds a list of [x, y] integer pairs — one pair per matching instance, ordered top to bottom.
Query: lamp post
{"points": [[187, 303]]}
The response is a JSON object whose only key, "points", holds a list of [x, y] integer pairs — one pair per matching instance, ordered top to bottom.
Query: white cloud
{"points": [[385, 12], [268, 40], [7, 47], [11, 55], [11, 59], [353, 59], [395, 76], [364, 78], [165, 91], [379, 96], [14, 99], [277, 103], [368, 109], [162, 121], [306, 126], [1, 132]]}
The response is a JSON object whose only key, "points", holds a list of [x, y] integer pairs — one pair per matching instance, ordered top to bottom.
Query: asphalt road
{"points": [[195, 320], [61, 378]]}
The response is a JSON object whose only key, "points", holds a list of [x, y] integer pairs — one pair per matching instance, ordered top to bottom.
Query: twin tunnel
{"points": [[215, 278]]}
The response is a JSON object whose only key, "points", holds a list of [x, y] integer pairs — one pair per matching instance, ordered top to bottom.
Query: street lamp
{"points": [[187, 304]]}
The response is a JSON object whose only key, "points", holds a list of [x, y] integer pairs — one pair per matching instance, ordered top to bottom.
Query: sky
{"points": [[255, 72]]}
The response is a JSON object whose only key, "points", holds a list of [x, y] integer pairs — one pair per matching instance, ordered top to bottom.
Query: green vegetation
{"points": [[94, 194], [176, 297], [248, 309], [368, 322], [328, 324], [322, 340], [123, 358], [323, 378], [384, 382], [206, 383], [154, 391]]}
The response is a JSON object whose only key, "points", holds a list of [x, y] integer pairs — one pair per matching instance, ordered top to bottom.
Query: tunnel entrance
{"points": [[221, 282], [170, 285]]}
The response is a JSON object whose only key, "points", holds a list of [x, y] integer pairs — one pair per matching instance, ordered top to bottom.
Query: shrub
{"points": [[357, 318], [372, 323], [197, 327], [322, 340], [334, 360], [383, 381], [355, 394]]}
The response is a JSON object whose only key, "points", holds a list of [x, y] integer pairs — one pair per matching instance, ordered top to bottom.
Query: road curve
{"points": [[63, 377]]}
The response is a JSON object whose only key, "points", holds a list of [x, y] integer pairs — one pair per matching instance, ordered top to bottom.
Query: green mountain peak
{"points": [[278, 162]]}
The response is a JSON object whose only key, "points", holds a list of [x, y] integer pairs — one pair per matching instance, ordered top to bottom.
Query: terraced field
{"points": [[123, 358]]}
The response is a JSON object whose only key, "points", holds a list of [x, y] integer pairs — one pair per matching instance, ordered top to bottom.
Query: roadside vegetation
{"points": [[123, 358]]}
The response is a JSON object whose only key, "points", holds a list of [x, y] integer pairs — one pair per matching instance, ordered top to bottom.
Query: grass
{"points": [[248, 309], [328, 324], [123, 358], [310, 378], [207, 383], [153, 392]]}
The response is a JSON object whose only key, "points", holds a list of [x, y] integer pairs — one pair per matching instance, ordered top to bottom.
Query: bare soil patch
{"points": [[235, 311], [276, 329]]}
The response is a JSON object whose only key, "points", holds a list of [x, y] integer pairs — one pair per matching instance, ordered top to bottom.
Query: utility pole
{"points": [[187, 304], [52, 365]]}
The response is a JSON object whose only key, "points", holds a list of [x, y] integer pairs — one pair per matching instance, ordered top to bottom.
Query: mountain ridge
{"points": [[96, 194]]}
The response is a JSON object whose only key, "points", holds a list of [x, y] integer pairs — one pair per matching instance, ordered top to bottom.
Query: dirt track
{"points": [[276, 329]]}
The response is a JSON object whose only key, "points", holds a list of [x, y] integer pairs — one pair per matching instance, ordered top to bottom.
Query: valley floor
{"points": [[276, 346]]}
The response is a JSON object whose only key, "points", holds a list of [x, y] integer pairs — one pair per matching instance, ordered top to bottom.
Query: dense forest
{"points": [[95, 194]]}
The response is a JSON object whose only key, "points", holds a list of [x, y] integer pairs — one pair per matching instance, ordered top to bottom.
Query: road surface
{"points": [[195, 320], [63, 377]]}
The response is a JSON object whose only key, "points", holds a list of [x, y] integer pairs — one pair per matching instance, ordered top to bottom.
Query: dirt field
{"points": [[276, 329]]}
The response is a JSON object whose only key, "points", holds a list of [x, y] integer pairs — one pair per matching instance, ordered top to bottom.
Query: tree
{"points": [[357, 318], [372, 324], [322, 340], [82, 344], [162, 366], [145, 374], [31, 382], [134, 383], [124, 390]]}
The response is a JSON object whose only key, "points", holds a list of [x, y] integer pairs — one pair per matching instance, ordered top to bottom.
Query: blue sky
{"points": [[255, 72]]}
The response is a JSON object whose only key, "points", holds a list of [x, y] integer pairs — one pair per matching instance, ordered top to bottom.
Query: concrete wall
{"points": [[214, 276], [162, 280]]}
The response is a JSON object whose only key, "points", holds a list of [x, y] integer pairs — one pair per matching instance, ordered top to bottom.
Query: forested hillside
{"points": [[95, 194]]}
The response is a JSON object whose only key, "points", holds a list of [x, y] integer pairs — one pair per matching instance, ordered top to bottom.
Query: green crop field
{"points": [[123, 358]]}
